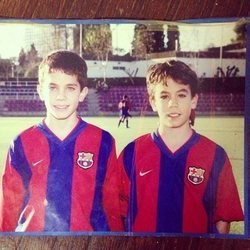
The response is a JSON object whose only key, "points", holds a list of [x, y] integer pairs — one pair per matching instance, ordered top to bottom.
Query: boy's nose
{"points": [[61, 94], [173, 102]]}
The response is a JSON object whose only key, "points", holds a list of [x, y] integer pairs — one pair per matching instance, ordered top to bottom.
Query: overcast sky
{"points": [[11, 40]]}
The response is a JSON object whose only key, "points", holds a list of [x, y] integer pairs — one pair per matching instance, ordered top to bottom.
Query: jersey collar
{"points": [[163, 147]]}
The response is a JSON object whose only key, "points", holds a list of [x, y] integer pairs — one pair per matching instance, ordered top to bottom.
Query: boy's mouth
{"points": [[61, 107], [174, 115]]}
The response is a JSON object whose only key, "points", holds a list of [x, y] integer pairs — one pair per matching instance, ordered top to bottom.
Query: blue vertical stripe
{"points": [[128, 158], [129, 164], [59, 185], [171, 185], [171, 194], [210, 194], [98, 217]]}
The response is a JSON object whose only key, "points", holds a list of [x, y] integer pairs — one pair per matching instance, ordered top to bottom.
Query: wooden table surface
{"points": [[124, 9]]}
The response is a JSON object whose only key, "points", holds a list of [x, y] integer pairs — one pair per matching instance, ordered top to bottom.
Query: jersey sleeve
{"points": [[125, 165], [123, 186], [12, 193], [111, 193], [228, 206]]}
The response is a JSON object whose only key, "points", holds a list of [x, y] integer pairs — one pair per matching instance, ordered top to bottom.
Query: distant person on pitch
{"points": [[124, 107], [61, 174], [176, 180]]}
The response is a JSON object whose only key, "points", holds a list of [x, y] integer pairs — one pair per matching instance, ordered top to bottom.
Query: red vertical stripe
{"points": [[36, 149], [201, 155], [83, 183], [147, 184], [124, 186], [111, 193], [228, 194], [11, 199]]}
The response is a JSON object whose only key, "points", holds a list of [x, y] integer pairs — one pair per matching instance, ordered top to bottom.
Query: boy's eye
{"points": [[52, 88], [71, 88], [182, 95], [164, 97]]}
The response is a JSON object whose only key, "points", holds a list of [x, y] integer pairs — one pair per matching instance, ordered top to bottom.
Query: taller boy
{"points": [[61, 175], [176, 180]]}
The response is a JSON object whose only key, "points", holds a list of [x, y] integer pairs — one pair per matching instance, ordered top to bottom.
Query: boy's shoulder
{"points": [[93, 130], [28, 131], [27, 137], [144, 137], [206, 139], [141, 141], [209, 142]]}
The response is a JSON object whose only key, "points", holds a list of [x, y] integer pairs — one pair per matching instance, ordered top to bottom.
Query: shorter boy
{"points": [[61, 174], [176, 180]]}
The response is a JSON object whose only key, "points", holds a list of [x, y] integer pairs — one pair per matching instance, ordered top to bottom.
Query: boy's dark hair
{"points": [[66, 61], [177, 70]]}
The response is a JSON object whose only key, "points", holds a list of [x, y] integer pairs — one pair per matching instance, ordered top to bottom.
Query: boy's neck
{"points": [[61, 128], [174, 138]]}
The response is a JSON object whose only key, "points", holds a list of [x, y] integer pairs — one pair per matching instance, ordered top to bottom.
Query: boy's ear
{"points": [[39, 91], [83, 94], [194, 101], [152, 103]]}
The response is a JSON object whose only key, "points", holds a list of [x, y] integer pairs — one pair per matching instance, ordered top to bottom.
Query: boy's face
{"points": [[61, 94], [173, 103]]}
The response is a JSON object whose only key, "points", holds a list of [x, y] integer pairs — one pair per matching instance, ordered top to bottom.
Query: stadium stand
{"points": [[20, 100], [108, 101]]}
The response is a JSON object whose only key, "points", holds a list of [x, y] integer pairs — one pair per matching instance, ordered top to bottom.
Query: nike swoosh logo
{"points": [[36, 163], [144, 173]]}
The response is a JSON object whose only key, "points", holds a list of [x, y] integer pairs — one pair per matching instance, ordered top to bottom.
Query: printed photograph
{"points": [[122, 126]]}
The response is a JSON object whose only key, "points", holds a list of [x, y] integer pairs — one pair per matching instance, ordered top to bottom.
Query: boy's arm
{"points": [[126, 169], [123, 187], [111, 193], [11, 197], [228, 205], [223, 227]]}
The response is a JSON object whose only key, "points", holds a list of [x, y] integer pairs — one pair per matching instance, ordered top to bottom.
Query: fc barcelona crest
{"points": [[85, 160], [196, 175]]}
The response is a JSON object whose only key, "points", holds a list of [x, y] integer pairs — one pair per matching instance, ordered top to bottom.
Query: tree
{"points": [[241, 31], [156, 33], [173, 35], [61, 37], [76, 38], [149, 38], [143, 41], [96, 42], [32, 55], [22, 58], [22, 61], [28, 62], [6, 67], [32, 72]]}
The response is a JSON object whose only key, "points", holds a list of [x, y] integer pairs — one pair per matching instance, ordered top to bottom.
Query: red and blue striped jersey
{"points": [[53, 185], [183, 192]]}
